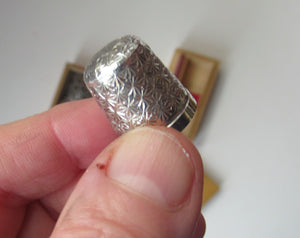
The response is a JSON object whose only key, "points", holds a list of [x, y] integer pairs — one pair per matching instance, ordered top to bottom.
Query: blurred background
{"points": [[249, 139]]}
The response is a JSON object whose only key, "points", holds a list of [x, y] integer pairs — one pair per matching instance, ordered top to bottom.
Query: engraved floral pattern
{"points": [[133, 87]]}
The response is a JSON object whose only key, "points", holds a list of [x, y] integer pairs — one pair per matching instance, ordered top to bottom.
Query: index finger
{"points": [[44, 152]]}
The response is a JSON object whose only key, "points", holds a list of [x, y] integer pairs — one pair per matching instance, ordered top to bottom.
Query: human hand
{"points": [[146, 183]]}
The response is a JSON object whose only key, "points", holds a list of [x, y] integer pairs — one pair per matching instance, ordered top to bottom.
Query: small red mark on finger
{"points": [[104, 165], [101, 166]]}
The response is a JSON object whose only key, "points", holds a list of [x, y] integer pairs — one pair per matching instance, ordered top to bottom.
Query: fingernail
{"points": [[154, 164]]}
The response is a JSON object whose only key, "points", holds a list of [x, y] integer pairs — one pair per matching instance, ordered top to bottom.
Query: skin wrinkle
{"points": [[100, 133], [61, 147], [11, 159], [73, 160], [3, 166], [7, 198], [11, 200], [31, 208], [55, 208], [103, 209], [46, 210], [89, 213], [198, 220], [19, 229]]}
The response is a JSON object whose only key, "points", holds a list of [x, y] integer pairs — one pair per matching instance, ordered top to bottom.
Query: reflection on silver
{"points": [[134, 88]]}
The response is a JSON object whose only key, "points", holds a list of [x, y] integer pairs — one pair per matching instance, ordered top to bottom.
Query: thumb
{"points": [[147, 183]]}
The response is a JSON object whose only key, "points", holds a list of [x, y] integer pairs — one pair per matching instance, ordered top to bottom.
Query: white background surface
{"points": [[249, 139]]}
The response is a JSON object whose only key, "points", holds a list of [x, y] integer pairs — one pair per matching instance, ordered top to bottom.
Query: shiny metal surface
{"points": [[134, 88]]}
